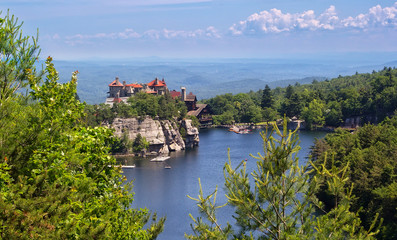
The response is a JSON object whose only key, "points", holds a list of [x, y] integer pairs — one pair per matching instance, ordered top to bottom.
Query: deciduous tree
{"points": [[57, 179]]}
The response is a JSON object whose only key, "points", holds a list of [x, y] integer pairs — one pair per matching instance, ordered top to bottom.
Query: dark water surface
{"points": [[165, 190]]}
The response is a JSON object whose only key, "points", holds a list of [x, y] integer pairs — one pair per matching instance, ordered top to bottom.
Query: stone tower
{"points": [[183, 93]]}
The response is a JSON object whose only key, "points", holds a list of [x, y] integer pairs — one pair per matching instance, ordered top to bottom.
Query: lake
{"points": [[165, 190]]}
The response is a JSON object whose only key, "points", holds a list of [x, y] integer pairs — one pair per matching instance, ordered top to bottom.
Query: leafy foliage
{"points": [[140, 105], [238, 108], [314, 114], [140, 143], [370, 158], [57, 178]]}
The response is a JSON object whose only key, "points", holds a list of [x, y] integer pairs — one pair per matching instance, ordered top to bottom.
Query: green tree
{"points": [[18, 53], [289, 91], [267, 98], [219, 103], [145, 104], [292, 106], [182, 109], [122, 110], [246, 110], [254, 114], [269, 114], [314, 114], [333, 114], [97, 115], [225, 118], [140, 143], [369, 154], [57, 178], [64, 185], [279, 204]]}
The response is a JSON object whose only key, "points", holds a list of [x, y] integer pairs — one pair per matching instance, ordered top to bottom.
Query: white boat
{"points": [[160, 159], [130, 166]]}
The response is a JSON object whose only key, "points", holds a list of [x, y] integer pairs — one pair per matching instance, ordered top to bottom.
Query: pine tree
{"points": [[18, 53], [289, 91], [267, 98], [280, 202]]}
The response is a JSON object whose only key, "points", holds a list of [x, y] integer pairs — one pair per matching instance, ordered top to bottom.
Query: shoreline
{"points": [[327, 129]]}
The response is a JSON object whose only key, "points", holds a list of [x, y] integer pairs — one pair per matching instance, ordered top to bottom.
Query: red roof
{"points": [[116, 83], [157, 83], [134, 85], [174, 94]]}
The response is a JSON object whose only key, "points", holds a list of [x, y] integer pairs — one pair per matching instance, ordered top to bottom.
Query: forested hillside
{"points": [[370, 96], [370, 156]]}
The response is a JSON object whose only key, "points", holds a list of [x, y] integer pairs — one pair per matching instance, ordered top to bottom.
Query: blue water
{"points": [[165, 190]]}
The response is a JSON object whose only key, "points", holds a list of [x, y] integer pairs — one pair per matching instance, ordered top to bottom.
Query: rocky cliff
{"points": [[192, 134], [163, 135]]}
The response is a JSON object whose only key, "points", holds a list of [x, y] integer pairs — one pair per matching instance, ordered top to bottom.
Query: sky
{"points": [[119, 29]]}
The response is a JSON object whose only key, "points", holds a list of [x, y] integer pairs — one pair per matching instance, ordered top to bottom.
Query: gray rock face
{"points": [[192, 134], [162, 135], [173, 138]]}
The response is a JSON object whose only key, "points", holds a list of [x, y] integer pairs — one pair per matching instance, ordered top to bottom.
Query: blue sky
{"points": [[93, 29]]}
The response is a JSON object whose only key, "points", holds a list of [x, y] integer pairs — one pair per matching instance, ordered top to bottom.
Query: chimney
{"points": [[117, 80], [156, 82], [183, 93]]}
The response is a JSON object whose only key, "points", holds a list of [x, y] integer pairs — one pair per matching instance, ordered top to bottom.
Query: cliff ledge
{"points": [[163, 135]]}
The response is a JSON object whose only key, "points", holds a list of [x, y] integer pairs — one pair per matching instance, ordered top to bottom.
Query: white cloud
{"points": [[376, 16], [329, 18], [275, 21], [208, 33], [126, 34], [152, 34]]}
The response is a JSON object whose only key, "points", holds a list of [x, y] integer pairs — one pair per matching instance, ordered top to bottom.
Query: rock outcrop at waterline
{"points": [[192, 134], [163, 135]]}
